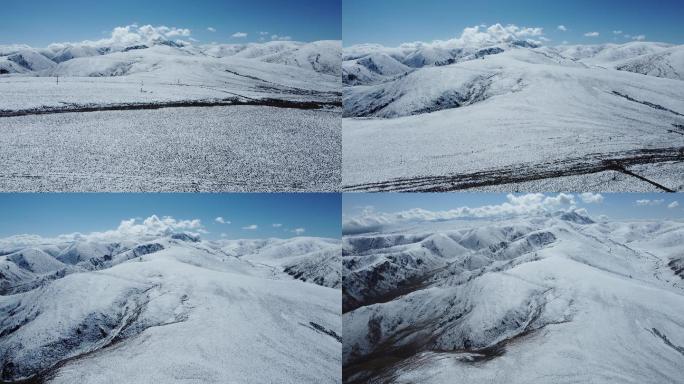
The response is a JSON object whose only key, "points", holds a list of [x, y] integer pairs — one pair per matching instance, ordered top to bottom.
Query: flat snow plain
{"points": [[232, 148]]}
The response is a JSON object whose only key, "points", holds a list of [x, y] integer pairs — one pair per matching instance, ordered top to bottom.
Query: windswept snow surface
{"points": [[66, 86], [512, 115], [539, 299], [173, 309]]}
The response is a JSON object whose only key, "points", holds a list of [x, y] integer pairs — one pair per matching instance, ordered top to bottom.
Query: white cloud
{"points": [[562, 28], [211, 29], [178, 32], [618, 32], [263, 33], [496, 33], [592, 34], [132, 35], [239, 35], [480, 36], [639, 37], [280, 38], [591, 198], [647, 202], [516, 205], [673, 205], [221, 220], [277, 225], [251, 227], [132, 229], [299, 231], [224, 235]]}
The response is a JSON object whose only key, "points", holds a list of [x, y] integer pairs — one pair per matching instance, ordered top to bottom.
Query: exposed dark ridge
{"points": [[135, 47], [20, 60], [477, 91], [647, 103], [80, 108], [589, 164], [677, 266], [402, 288], [128, 329], [322, 329], [667, 341], [382, 365]]}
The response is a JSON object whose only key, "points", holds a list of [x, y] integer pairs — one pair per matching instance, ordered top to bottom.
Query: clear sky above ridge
{"points": [[41, 22], [392, 22], [612, 205], [250, 215]]}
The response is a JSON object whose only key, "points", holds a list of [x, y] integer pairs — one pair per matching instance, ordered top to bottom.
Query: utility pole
{"points": [[57, 79]]}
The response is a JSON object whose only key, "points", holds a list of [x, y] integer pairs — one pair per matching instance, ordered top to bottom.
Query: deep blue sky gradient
{"points": [[41, 22], [392, 22], [54, 214]]}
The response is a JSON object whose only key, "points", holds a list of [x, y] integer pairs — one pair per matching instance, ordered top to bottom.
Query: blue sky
{"points": [[41, 22], [392, 22], [613, 205], [50, 215]]}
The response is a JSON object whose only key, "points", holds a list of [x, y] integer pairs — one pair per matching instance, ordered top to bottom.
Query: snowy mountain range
{"points": [[319, 56], [164, 71], [456, 115], [559, 297], [170, 308]]}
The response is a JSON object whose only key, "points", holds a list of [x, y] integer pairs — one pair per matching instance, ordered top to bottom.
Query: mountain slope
{"points": [[473, 123], [519, 301], [166, 308]]}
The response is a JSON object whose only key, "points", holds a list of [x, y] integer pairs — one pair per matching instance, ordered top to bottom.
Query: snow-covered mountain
{"points": [[320, 56], [96, 75], [210, 101], [442, 116], [523, 300], [171, 309]]}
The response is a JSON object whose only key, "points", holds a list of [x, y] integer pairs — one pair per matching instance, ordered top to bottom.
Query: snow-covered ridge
{"points": [[320, 56], [88, 76], [430, 118], [518, 300], [68, 307]]}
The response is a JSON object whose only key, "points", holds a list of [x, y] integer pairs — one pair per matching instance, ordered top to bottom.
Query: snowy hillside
{"points": [[163, 73], [214, 113], [513, 115], [525, 300], [171, 309]]}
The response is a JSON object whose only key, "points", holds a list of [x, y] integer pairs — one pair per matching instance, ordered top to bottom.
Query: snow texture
{"points": [[167, 116], [442, 117], [542, 298], [174, 309]]}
